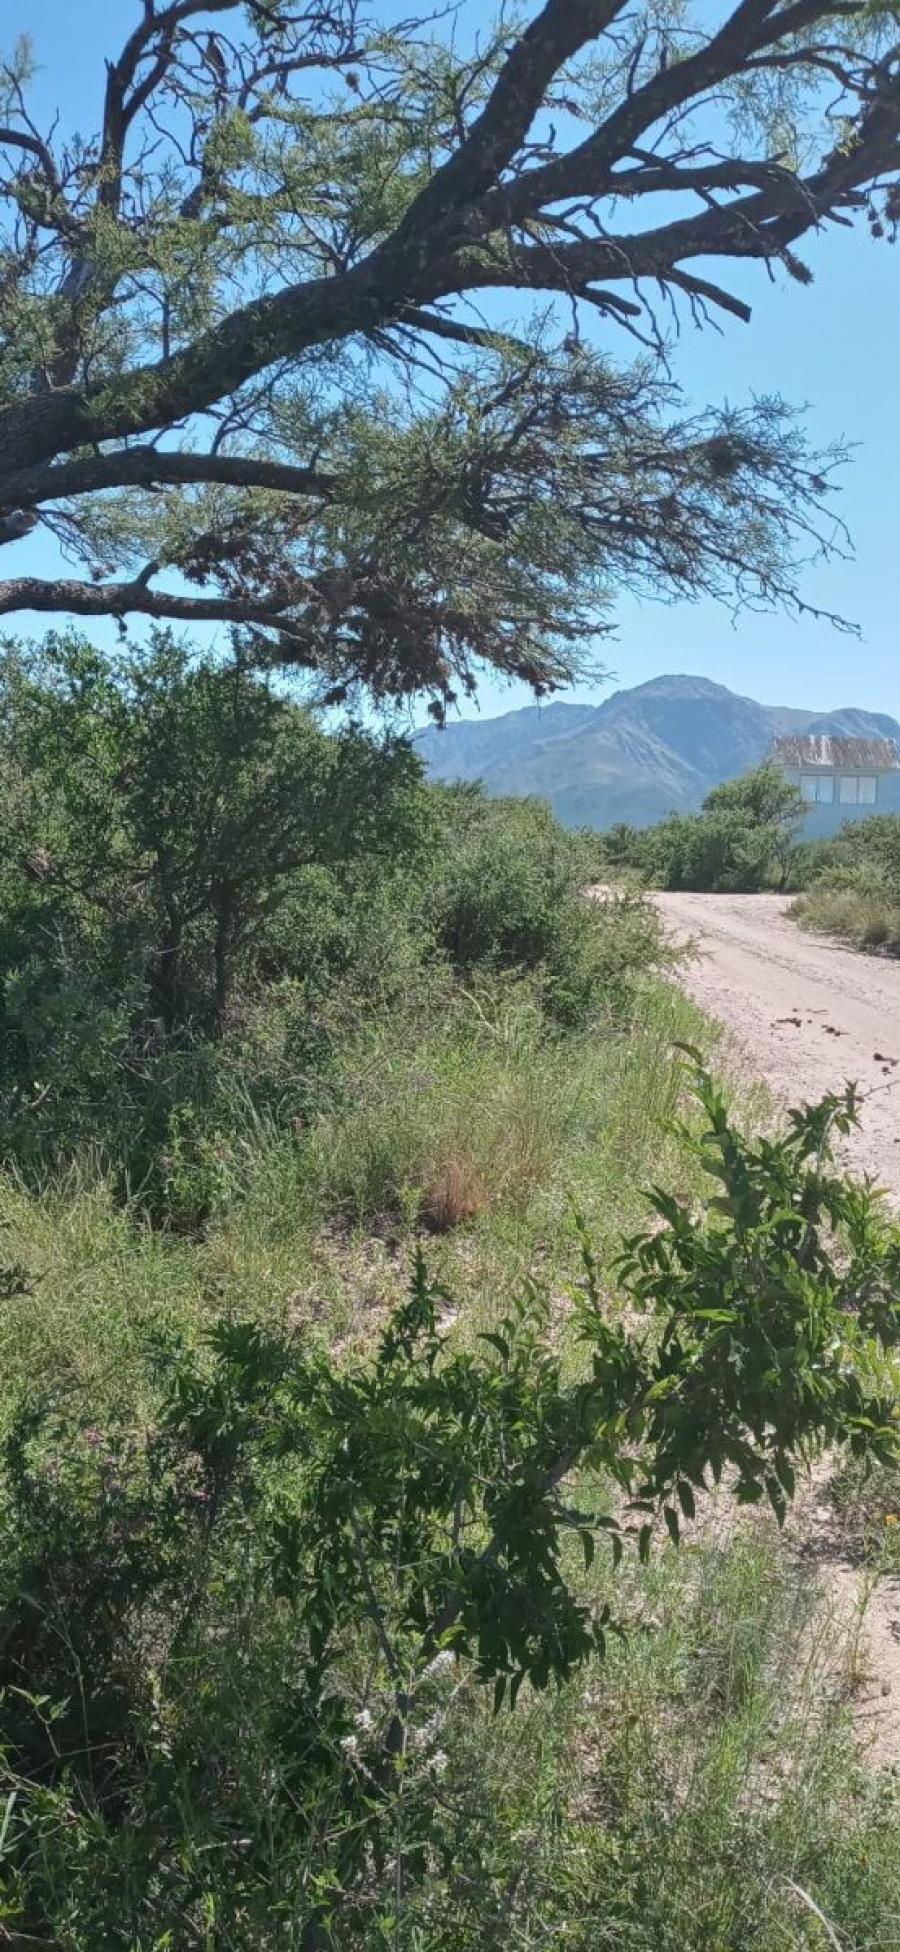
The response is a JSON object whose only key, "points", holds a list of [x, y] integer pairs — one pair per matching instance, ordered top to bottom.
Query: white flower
{"points": [[441, 1662], [364, 1722], [422, 1738], [350, 1746], [438, 1764]]}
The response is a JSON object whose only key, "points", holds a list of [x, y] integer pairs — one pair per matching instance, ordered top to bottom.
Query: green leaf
{"points": [[686, 1498], [672, 1527]]}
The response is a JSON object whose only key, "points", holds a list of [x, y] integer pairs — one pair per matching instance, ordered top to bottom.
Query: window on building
{"points": [[817, 787], [858, 789]]}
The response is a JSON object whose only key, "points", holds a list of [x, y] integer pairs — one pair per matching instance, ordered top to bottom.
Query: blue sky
{"points": [[832, 348]]}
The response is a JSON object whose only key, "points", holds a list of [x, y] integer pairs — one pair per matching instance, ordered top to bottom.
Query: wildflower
{"points": [[892, 1518], [441, 1662], [364, 1721], [422, 1738], [350, 1746], [438, 1763]]}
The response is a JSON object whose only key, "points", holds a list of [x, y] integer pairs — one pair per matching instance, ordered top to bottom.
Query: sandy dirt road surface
{"points": [[809, 1013]]}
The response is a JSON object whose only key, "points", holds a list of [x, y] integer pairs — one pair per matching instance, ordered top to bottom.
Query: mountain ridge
{"points": [[647, 750]]}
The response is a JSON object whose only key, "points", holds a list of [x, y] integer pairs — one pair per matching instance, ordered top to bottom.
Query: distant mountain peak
{"points": [[649, 750]]}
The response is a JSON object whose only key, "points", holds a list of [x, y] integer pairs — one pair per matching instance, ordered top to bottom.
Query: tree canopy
{"points": [[309, 337], [157, 809]]}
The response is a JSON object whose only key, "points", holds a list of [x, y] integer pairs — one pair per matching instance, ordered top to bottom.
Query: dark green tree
{"points": [[160, 805]]}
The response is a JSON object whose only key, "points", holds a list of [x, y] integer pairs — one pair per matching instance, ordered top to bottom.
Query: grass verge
{"points": [[870, 920]]}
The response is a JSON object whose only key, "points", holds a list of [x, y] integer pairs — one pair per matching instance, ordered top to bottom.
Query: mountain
{"points": [[643, 753]]}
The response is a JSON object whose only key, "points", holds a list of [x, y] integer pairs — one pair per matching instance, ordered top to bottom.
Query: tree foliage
{"points": [[255, 359], [164, 803], [745, 837], [205, 895]]}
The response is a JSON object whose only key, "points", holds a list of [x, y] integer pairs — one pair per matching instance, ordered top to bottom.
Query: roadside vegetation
{"points": [[744, 839], [747, 839], [852, 887], [361, 1582]]}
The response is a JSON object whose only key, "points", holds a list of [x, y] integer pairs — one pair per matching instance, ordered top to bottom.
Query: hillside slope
{"points": [[643, 753]]}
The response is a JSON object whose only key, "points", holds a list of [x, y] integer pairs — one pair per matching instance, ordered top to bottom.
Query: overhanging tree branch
{"points": [[261, 239], [149, 467], [135, 598]]}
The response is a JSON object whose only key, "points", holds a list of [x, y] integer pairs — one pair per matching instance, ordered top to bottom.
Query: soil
{"points": [[808, 1015]]}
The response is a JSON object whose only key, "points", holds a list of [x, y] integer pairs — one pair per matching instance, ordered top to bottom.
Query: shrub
{"points": [[162, 806], [744, 838], [852, 885], [204, 895], [510, 895], [869, 919], [223, 1631]]}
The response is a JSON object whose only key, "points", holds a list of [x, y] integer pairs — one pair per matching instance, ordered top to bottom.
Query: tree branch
{"points": [[562, 27], [120, 109], [33, 146], [586, 170], [150, 467], [61, 594]]}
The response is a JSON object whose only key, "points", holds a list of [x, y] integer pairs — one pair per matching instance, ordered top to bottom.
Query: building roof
{"points": [[840, 755]]}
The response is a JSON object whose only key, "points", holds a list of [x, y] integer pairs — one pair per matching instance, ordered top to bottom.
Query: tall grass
{"points": [[865, 916], [701, 1790], [701, 1793]]}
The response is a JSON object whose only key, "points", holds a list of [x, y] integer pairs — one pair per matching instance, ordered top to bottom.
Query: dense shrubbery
{"points": [[744, 838], [851, 884], [203, 895], [281, 1531], [237, 1606]]}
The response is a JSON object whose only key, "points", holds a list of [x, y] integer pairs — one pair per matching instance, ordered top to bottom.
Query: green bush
{"points": [[743, 839], [851, 886], [509, 894], [204, 895], [869, 919], [236, 1601]]}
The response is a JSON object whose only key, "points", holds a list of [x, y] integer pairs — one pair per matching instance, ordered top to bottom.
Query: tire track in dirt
{"points": [[808, 1014]]}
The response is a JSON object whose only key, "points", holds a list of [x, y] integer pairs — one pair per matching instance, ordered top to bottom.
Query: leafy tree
{"points": [[250, 331], [764, 794], [160, 806], [743, 838], [871, 845]]}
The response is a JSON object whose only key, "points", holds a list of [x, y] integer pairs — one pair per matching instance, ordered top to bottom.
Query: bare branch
{"points": [[560, 29], [33, 146], [150, 467], [62, 594]]}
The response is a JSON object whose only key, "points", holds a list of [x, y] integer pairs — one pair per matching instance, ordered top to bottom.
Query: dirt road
{"points": [[809, 1013]]}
